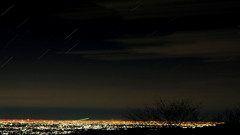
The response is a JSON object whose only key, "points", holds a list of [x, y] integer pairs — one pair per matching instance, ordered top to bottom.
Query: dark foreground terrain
{"points": [[221, 129]]}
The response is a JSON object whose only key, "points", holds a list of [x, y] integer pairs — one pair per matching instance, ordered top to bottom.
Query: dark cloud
{"points": [[142, 9], [212, 44]]}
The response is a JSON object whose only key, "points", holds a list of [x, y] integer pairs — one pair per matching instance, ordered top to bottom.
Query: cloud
{"points": [[142, 9], [179, 37], [217, 44], [213, 45], [204, 48], [123, 54]]}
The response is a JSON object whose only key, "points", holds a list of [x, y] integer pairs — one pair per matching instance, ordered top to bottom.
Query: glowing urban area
{"points": [[119, 67], [34, 127]]}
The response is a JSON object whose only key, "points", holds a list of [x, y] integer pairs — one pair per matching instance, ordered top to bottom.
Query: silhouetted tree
{"points": [[167, 110], [176, 110], [232, 115], [219, 117]]}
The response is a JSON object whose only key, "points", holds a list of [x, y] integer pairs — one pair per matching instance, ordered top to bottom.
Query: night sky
{"points": [[72, 59]]}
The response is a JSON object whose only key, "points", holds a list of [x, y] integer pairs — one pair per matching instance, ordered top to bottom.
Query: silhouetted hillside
{"points": [[175, 131]]}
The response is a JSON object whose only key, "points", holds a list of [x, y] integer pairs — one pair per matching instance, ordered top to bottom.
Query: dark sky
{"points": [[73, 58]]}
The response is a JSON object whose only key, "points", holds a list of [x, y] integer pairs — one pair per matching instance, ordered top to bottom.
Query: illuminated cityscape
{"points": [[134, 67], [35, 127]]}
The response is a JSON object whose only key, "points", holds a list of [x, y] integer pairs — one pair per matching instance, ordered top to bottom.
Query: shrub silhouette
{"points": [[166, 110], [232, 115]]}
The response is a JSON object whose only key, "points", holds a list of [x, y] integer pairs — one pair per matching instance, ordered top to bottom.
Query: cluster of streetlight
{"points": [[33, 127]]}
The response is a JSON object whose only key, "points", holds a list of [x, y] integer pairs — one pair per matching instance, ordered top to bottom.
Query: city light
{"points": [[34, 127]]}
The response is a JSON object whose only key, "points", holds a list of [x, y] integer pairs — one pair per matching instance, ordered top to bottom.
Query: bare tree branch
{"points": [[164, 110]]}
